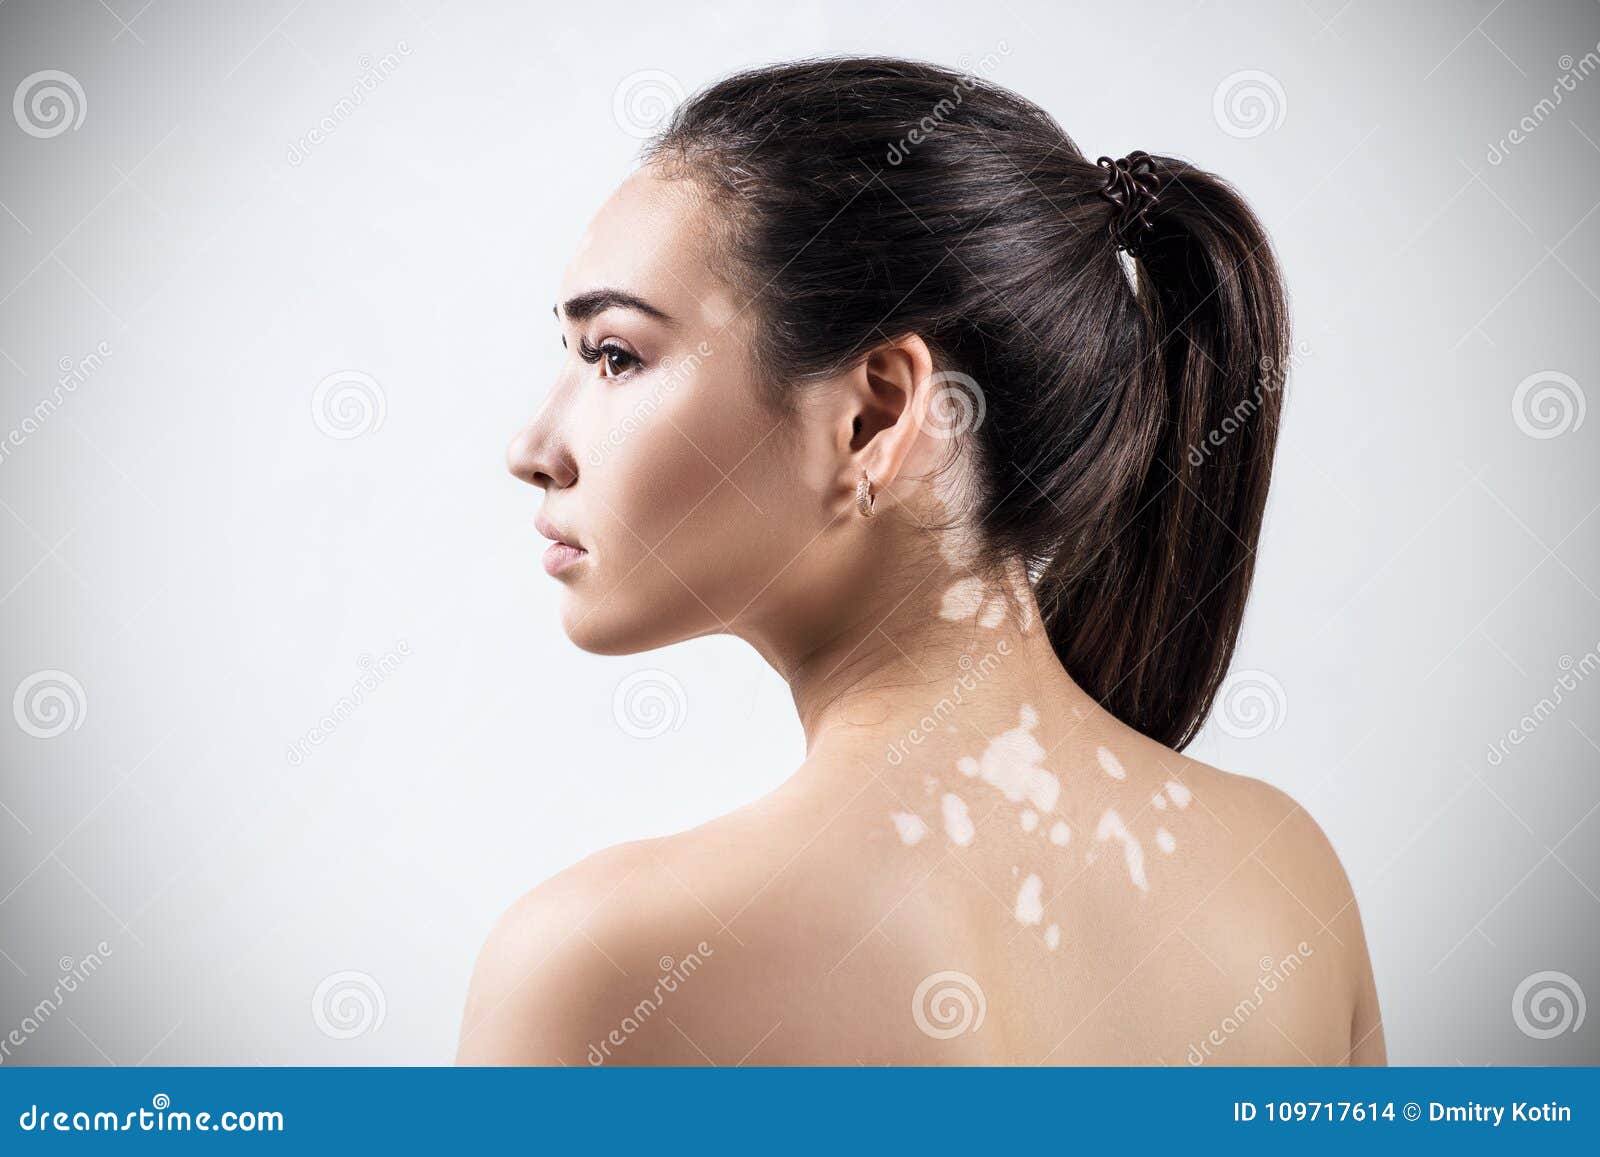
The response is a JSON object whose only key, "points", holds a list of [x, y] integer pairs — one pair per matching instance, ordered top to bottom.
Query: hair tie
{"points": [[1132, 187]]}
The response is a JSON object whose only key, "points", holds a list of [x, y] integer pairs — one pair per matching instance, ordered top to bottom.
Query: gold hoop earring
{"points": [[864, 498]]}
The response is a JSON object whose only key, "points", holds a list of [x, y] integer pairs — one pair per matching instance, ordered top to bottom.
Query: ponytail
{"points": [[1126, 434], [1144, 610]]}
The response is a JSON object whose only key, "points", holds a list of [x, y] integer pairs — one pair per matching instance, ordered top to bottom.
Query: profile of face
{"points": [[752, 324], [696, 503]]}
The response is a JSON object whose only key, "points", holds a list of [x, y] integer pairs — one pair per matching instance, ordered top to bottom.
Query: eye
{"points": [[617, 360]]}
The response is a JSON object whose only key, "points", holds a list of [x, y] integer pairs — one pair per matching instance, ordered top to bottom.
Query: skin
{"points": [[799, 930]]}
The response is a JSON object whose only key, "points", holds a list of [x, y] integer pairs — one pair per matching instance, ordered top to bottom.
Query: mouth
{"points": [[564, 550], [558, 556]]}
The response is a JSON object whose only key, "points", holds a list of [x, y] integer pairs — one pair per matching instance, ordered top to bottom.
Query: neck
{"points": [[947, 647]]}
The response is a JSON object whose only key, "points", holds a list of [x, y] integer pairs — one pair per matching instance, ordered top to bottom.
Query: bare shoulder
{"points": [[1271, 836], [1273, 870], [699, 948], [563, 963]]}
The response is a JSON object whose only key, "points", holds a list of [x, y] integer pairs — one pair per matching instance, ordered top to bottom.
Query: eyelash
{"points": [[610, 351]]}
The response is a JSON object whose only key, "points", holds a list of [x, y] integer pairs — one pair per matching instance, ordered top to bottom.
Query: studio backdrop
{"points": [[291, 715]]}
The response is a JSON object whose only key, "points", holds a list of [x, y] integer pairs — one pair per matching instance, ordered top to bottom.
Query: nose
{"points": [[539, 454]]}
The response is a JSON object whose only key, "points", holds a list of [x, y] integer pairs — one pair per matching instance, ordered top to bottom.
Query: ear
{"points": [[886, 398]]}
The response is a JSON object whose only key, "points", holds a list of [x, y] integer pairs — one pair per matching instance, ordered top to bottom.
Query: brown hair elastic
{"points": [[1133, 187]]}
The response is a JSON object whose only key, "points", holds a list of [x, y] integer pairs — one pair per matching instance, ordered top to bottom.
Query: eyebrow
{"points": [[597, 301]]}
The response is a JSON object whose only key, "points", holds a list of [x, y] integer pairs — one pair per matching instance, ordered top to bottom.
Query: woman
{"points": [[969, 437]]}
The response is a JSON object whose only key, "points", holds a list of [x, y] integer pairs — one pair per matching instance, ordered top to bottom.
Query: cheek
{"points": [[656, 460], [701, 504]]}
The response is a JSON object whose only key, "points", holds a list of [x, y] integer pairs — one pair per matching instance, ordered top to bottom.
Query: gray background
{"points": [[186, 537]]}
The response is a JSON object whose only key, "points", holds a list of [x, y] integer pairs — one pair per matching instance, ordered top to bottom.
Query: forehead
{"points": [[652, 238]]}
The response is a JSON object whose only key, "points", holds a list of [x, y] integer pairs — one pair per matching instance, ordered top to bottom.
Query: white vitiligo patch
{"points": [[970, 599], [962, 600], [1011, 764], [1110, 764], [929, 784], [1180, 795], [1159, 802], [1030, 820], [957, 823], [910, 827], [1112, 828], [1060, 833], [1164, 841], [1030, 900], [1052, 937]]}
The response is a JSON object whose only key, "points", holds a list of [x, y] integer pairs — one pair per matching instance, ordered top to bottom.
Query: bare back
{"points": [[955, 909]]}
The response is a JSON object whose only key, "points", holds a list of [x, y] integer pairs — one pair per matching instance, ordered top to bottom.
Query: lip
{"points": [[564, 550], [559, 556]]}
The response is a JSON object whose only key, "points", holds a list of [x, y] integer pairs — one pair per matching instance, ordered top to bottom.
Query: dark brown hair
{"points": [[1127, 434]]}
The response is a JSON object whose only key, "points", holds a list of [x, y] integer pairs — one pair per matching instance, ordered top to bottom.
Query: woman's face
{"points": [[658, 454]]}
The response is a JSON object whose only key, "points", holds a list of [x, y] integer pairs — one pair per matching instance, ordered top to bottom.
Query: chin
{"points": [[616, 625], [589, 628], [601, 630]]}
